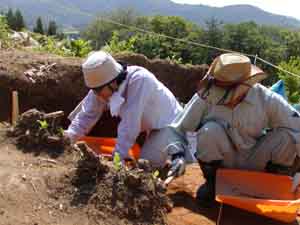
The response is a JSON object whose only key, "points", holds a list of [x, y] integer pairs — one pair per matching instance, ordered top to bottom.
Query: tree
{"points": [[10, 19], [19, 21], [39, 26], [174, 26], [3, 28], [52, 28], [100, 31], [213, 36], [291, 40], [292, 83]]}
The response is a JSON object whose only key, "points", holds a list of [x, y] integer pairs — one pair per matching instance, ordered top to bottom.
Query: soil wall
{"points": [[50, 83]]}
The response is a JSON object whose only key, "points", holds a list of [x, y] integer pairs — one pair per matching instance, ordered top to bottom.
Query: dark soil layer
{"points": [[51, 83]]}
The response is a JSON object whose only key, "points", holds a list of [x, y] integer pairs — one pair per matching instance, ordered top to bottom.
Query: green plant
{"points": [[4, 33], [51, 45], [117, 45], [79, 48], [292, 83], [43, 124], [60, 131], [117, 161], [155, 174]]}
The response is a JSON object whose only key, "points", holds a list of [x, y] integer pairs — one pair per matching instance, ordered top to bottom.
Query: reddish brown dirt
{"points": [[31, 193], [187, 212]]}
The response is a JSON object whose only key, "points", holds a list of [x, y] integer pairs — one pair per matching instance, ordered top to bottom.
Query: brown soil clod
{"points": [[38, 129], [133, 194]]}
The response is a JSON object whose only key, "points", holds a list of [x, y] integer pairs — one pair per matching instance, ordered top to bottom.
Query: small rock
{"points": [[144, 164], [24, 177], [133, 180], [2, 212]]}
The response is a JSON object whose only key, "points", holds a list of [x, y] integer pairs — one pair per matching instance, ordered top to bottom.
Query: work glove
{"points": [[70, 136], [177, 166], [296, 182]]}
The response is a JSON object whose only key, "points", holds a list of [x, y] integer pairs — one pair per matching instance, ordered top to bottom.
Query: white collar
{"points": [[117, 100]]}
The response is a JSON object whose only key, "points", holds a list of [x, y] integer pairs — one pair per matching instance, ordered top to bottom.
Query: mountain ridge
{"points": [[78, 13]]}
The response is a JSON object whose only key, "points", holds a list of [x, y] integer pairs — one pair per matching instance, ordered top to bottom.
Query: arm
{"points": [[138, 92], [281, 114], [87, 116], [191, 116], [188, 120]]}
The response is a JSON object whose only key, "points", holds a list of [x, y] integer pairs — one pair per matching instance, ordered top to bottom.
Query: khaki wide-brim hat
{"points": [[99, 69], [235, 70]]}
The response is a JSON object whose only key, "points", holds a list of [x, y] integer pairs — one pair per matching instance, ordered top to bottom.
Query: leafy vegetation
{"points": [[15, 20], [39, 27], [4, 32], [278, 45], [292, 83], [43, 124], [117, 161], [155, 174]]}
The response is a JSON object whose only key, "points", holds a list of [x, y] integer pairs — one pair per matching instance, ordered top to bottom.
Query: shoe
{"points": [[206, 192]]}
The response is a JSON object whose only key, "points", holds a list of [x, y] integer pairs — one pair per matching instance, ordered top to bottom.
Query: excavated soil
{"points": [[52, 83], [62, 184], [55, 185], [41, 190], [106, 190]]}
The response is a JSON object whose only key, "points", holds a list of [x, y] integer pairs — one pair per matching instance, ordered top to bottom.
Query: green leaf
{"points": [[43, 124], [60, 131], [117, 161], [155, 174]]}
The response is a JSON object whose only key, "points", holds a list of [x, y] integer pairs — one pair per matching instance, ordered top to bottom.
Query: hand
{"points": [[70, 137], [177, 166], [296, 182]]}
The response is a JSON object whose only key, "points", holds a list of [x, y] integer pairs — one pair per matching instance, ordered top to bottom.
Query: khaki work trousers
{"points": [[213, 143]]}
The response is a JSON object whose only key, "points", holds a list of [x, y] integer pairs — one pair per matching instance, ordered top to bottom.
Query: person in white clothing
{"points": [[130, 92], [240, 124]]}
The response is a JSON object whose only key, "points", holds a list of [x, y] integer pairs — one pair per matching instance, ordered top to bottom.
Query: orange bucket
{"points": [[105, 146], [265, 194]]}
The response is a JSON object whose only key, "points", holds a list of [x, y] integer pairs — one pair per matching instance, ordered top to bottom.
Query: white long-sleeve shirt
{"points": [[148, 105]]}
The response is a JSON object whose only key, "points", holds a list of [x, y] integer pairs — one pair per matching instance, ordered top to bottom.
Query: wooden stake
{"points": [[15, 107], [220, 214]]}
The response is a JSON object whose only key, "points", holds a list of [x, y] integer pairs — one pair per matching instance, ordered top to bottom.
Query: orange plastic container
{"points": [[102, 145], [265, 194]]}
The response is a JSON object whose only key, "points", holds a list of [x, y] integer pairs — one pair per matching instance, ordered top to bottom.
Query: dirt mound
{"points": [[52, 83], [40, 131], [39, 190], [131, 194], [134, 195]]}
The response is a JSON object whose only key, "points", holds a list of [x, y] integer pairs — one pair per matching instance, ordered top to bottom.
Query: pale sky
{"points": [[282, 7]]}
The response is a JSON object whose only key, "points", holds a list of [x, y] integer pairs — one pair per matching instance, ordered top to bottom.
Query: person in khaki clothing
{"points": [[230, 113]]}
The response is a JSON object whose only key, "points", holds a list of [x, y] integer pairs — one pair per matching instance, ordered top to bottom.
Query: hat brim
{"points": [[256, 76]]}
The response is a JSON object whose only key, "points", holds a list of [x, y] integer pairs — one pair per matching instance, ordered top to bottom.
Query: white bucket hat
{"points": [[99, 69]]}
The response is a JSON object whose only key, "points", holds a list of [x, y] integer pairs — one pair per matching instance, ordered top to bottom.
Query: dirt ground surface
{"points": [[34, 188], [32, 193]]}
